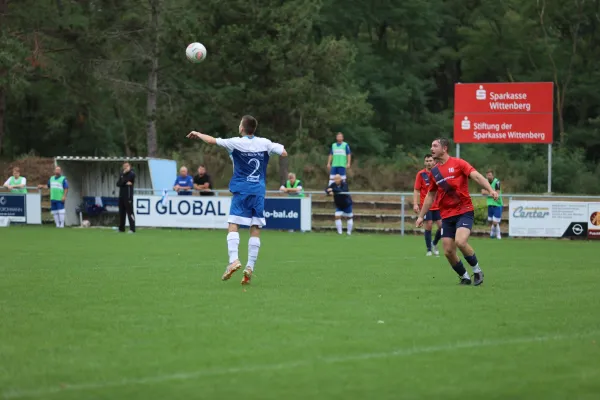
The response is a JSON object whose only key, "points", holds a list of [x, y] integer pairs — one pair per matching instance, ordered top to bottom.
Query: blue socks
{"points": [[438, 236], [428, 240], [472, 260], [460, 269]]}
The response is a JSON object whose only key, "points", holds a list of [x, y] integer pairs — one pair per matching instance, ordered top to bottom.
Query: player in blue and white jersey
{"points": [[250, 156]]}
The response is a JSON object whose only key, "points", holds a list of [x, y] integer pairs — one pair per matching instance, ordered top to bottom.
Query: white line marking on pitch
{"points": [[182, 376]]}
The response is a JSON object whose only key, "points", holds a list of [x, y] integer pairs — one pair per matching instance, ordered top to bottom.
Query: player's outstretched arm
{"points": [[201, 136], [276, 149], [480, 179]]}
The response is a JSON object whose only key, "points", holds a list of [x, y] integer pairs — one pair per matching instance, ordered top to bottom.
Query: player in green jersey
{"points": [[339, 159]]}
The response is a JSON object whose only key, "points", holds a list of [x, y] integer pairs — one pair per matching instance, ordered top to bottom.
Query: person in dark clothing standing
{"points": [[125, 184], [343, 203]]}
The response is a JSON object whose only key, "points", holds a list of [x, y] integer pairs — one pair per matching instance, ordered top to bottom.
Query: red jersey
{"points": [[451, 181], [422, 182]]}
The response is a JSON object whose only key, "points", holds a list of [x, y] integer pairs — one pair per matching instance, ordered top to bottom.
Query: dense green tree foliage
{"points": [[107, 77]]}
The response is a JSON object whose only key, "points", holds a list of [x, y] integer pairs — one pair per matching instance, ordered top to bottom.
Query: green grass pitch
{"points": [[90, 314]]}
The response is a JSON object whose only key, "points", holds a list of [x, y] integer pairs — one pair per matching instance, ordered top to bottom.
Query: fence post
{"points": [[402, 215]]}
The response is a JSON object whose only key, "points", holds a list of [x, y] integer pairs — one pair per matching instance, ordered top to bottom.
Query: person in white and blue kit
{"points": [[250, 156]]}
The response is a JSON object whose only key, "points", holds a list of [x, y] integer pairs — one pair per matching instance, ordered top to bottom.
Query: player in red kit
{"points": [[449, 179], [422, 182]]}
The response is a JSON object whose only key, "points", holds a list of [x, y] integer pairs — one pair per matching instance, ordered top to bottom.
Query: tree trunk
{"points": [[124, 128], [151, 136], [283, 170]]}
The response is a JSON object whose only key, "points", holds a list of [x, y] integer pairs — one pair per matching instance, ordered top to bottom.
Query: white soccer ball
{"points": [[196, 52], [86, 224]]}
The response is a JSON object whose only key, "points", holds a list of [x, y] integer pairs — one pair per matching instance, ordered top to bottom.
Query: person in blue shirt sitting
{"points": [[184, 183], [343, 203]]}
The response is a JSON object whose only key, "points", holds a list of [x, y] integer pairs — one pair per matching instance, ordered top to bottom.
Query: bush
{"points": [[481, 212]]}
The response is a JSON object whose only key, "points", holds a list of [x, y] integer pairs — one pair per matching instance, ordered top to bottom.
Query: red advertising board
{"points": [[503, 112], [503, 128]]}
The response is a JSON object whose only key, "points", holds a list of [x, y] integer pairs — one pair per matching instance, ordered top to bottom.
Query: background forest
{"points": [[109, 77]]}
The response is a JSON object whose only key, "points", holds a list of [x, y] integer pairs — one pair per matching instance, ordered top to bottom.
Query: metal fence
{"points": [[401, 199]]}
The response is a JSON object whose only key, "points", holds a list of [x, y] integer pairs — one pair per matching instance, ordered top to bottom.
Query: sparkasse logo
{"points": [[281, 214]]}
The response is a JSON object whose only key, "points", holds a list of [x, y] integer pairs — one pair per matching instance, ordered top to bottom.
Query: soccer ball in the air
{"points": [[196, 52]]}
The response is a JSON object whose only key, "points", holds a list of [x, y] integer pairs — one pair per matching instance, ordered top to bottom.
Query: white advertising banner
{"points": [[34, 208], [182, 211], [551, 219], [594, 221]]}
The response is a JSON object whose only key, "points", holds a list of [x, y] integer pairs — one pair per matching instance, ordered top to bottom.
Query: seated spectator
{"points": [[16, 183], [184, 183], [203, 183], [293, 186]]}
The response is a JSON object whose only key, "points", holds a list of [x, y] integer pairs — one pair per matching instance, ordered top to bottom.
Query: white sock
{"points": [[56, 218], [61, 218], [338, 225], [350, 225], [493, 230], [498, 231], [233, 243], [253, 247], [476, 269], [466, 276]]}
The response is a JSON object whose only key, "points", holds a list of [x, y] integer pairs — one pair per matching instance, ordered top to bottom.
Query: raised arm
{"points": [[201, 136], [276, 148]]}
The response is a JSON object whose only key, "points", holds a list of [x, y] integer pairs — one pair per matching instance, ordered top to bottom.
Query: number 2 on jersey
{"points": [[254, 176]]}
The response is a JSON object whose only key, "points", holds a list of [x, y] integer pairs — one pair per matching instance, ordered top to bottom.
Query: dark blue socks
{"points": [[438, 236], [428, 240], [472, 260], [459, 268]]}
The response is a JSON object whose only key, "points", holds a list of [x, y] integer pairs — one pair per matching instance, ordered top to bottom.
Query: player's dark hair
{"points": [[249, 124], [444, 142], [427, 156], [16, 169], [490, 171]]}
